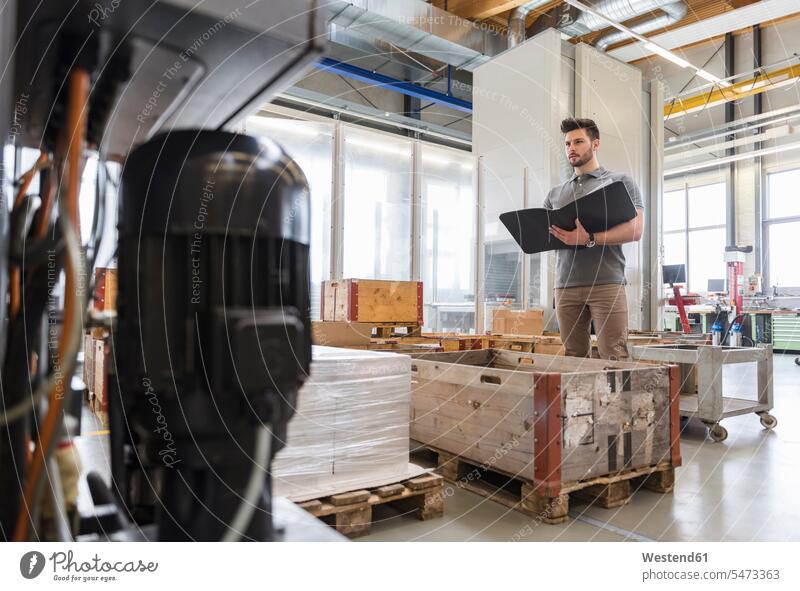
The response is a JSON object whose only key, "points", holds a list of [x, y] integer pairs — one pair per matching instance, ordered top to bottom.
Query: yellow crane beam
{"points": [[722, 94]]}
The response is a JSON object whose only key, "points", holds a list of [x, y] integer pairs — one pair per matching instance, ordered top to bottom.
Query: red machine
{"points": [[734, 260], [674, 275], [681, 302]]}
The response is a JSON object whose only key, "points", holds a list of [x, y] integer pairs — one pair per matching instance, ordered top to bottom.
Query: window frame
{"points": [[685, 185], [338, 190], [768, 222]]}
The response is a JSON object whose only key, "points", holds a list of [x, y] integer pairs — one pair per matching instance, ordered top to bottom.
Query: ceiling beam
{"points": [[479, 9]]}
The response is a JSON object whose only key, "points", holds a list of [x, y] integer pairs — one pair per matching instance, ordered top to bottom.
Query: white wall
{"points": [[610, 93], [518, 102]]}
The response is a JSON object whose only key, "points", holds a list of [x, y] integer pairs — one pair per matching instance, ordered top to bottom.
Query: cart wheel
{"points": [[768, 421], [718, 432]]}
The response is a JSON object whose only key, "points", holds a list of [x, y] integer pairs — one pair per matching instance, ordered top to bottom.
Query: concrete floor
{"points": [[742, 489]]}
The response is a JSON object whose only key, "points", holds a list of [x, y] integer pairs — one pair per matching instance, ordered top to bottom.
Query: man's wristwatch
{"points": [[590, 243]]}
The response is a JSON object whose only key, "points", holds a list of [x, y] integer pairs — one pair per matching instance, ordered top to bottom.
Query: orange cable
{"points": [[78, 93], [15, 274]]}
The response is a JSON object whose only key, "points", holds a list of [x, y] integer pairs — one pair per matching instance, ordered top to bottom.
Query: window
{"points": [[310, 144], [374, 200], [377, 206], [674, 210], [693, 226], [782, 226], [106, 252], [447, 252]]}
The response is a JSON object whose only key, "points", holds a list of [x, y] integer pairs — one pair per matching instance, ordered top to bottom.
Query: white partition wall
{"points": [[610, 92], [517, 146]]}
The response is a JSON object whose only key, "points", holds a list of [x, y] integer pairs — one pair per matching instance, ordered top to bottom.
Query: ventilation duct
{"points": [[672, 14], [516, 21], [576, 23], [420, 28]]}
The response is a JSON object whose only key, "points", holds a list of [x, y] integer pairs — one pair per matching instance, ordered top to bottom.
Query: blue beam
{"points": [[382, 81]]}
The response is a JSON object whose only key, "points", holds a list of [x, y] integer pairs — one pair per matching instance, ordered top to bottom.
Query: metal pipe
{"points": [[618, 11], [673, 13], [516, 21]]}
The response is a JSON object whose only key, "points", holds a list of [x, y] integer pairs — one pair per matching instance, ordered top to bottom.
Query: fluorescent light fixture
{"points": [[654, 47], [666, 54], [711, 78], [265, 125], [728, 159]]}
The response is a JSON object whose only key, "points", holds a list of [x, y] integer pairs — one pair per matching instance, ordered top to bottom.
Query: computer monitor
{"points": [[674, 274], [716, 286]]}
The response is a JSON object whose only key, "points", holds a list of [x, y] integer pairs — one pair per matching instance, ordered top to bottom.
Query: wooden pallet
{"points": [[387, 330], [398, 345], [606, 491], [351, 512]]}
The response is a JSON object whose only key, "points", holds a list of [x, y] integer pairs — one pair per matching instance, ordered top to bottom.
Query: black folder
{"points": [[598, 211]]}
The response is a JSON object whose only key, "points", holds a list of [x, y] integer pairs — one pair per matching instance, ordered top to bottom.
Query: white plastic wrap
{"points": [[351, 426]]}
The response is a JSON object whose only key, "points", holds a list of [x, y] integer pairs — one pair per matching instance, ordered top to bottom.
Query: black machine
{"points": [[213, 324], [212, 336]]}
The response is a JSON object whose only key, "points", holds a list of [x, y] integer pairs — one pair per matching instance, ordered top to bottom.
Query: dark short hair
{"points": [[573, 123]]}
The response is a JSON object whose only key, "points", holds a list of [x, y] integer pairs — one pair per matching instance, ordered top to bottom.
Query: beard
{"points": [[582, 159]]}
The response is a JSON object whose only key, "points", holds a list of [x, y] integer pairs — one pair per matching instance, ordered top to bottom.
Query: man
{"points": [[590, 282]]}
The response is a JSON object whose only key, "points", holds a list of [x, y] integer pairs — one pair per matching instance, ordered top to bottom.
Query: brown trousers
{"points": [[606, 306]]}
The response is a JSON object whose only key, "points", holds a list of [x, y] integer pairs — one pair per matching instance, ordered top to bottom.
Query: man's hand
{"points": [[577, 237]]}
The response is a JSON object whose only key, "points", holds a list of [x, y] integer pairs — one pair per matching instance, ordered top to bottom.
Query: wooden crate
{"points": [[105, 289], [368, 300], [518, 322], [340, 334], [462, 342], [521, 344], [542, 344], [548, 345], [95, 359], [550, 421], [351, 512]]}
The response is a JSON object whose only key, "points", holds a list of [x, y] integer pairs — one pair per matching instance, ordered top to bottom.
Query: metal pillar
{"points": [[758, 109], [730, 196]]}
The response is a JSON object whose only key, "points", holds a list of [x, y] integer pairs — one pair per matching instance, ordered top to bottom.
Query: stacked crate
{"points": [[356, 307], [95, 346]]}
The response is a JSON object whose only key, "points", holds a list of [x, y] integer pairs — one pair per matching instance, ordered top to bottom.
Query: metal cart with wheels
{"points": [[701, 376]]}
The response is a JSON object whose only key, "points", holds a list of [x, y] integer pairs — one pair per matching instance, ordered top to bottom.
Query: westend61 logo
{"points": [[66, 568]]}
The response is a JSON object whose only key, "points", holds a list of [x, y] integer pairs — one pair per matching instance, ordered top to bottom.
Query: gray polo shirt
{"points": [[603, 264]]}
